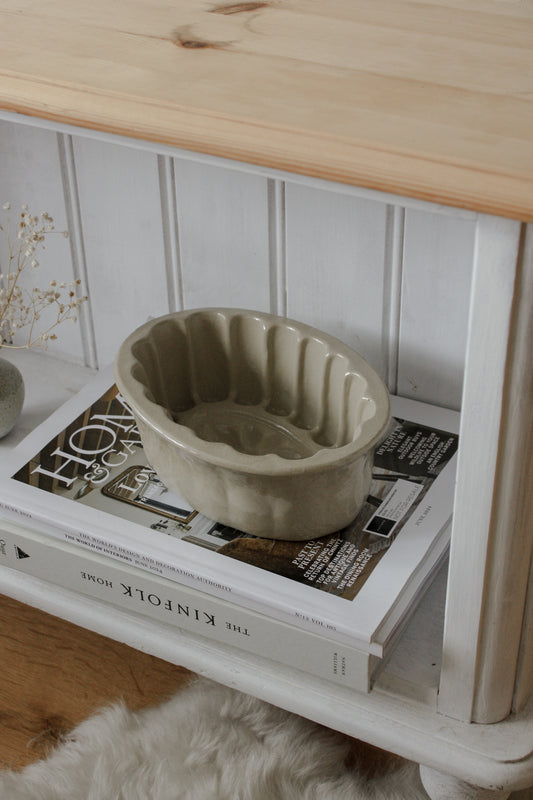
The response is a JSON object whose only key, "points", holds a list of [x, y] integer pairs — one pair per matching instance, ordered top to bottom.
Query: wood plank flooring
{"points": [[54, 674]]}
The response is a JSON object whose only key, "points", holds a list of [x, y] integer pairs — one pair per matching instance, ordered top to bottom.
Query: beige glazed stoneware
{"points": [[260, 422]]}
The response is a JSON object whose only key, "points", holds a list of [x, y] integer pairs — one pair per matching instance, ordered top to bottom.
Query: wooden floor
{"points": [[54, 674]]}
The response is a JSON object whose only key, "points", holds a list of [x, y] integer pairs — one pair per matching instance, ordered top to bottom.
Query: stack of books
{"points": [[81, 508]]}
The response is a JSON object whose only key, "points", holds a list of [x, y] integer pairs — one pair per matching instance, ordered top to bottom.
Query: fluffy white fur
{"points": [[206, 743]]}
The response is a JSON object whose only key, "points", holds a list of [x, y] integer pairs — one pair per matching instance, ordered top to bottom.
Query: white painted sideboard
{"points": [[154, 229], [439, 298]]}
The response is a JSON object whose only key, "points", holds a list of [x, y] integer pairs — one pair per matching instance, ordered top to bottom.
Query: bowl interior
{"points": [[257, 383]]}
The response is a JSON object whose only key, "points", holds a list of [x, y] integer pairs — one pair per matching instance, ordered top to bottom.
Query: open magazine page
{"points": [[98, 461]]}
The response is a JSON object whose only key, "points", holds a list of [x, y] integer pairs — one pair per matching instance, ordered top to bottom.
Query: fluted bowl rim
{"points": [[224, 455]]}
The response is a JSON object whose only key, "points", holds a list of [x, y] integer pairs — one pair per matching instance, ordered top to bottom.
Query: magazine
{"points": [[82, 476]]}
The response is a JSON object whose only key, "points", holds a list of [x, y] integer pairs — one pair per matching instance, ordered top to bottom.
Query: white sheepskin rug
{"points": [[208, 742]]}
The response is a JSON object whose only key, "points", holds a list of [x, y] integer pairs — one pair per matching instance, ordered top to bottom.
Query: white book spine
{"points": [[114, 545], [182, 607]]}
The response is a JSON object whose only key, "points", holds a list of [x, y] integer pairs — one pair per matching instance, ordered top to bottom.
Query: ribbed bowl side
{"points": [[248, 343], [283, 348], [208, 357], [311, 375], [359, 408]]}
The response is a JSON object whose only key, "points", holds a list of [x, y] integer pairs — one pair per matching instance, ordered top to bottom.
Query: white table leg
{"points": [[445, 787]]}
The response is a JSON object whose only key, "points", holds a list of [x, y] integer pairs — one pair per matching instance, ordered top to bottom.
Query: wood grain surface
{"points": [[425, 98], [54, 674]]}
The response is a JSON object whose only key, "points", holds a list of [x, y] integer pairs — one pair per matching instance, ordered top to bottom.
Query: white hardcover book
{"points": [[82, 477], [182, 607]]}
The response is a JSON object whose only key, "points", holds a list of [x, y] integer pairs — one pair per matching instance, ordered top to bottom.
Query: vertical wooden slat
{"points": [[30, 172], [121, 208], [169, 219], [224, 236], [77, 244], [277, 247], [335, 266], [436, 276], [392, 294], [514, 496], [511, 541], [482, 548]]}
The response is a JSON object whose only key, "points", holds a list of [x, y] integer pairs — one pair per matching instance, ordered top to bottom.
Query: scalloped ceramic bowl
{"points": [[260, 422]]}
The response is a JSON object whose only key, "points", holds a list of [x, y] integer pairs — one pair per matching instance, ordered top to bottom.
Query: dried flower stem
{"points": [[21, 308]]}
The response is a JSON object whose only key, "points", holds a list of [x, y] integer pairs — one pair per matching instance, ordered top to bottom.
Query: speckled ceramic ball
{"points": [[11, 396]]}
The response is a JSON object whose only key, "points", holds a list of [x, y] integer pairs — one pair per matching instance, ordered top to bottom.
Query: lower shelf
{"points": [[499, 755]]}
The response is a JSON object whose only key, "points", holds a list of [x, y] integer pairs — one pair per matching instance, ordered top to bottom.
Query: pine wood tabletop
{"points": [[426, 98]]}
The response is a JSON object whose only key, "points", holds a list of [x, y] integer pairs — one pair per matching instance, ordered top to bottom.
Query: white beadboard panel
{"points": [[30, 172], [121, 209], [156, 233], [224, 236], [336, 265], [437, 272]]}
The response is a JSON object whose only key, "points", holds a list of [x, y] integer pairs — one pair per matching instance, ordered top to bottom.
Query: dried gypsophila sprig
{"points": [[23, 309]]}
